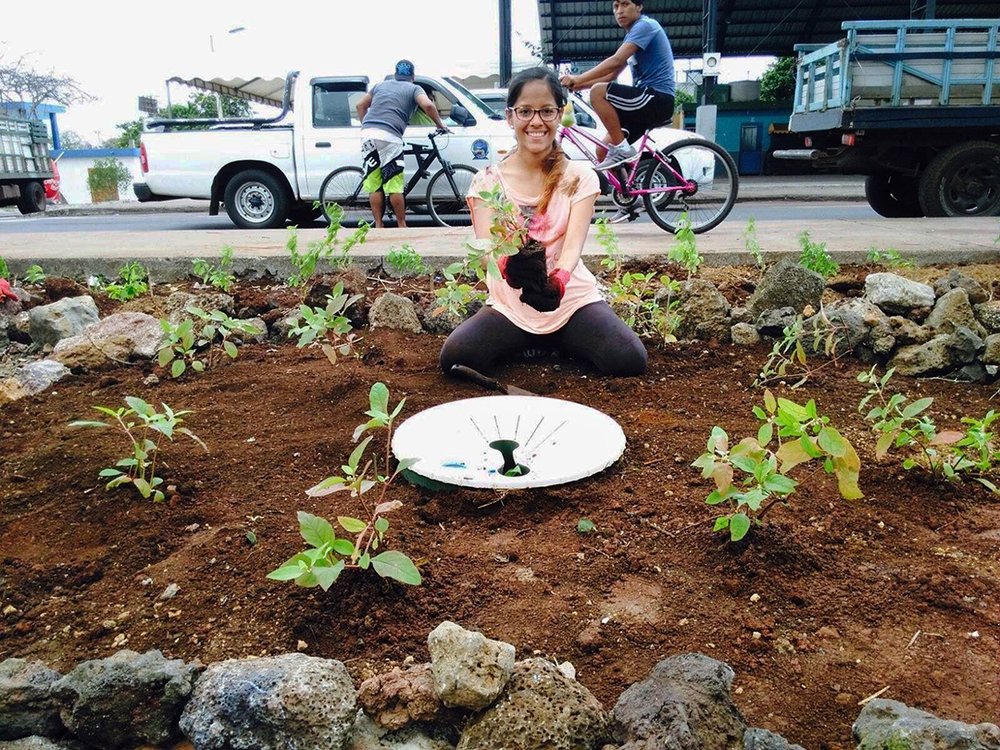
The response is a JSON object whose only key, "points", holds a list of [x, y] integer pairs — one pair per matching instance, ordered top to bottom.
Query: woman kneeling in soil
{"points": [[546, 297]]}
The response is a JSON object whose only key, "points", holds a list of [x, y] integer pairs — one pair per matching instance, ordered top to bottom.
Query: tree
{"points": [[19, 82], [778, 82], [198, 106], [72, 140]]}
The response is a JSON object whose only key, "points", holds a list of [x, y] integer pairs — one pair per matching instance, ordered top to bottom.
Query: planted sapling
{"points": [[752, 244], [329, 248], [685, 249], [816, 257], [890, 258], [405, 261], [219, 276], [132, 281], [327, 326], [185, 341], [788, 354], [143, 427], [790, 434], [952, 454], [329, 555]]}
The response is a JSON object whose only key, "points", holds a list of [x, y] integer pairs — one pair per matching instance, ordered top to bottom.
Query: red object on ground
{"points": [[52, 185], [6, 292]]}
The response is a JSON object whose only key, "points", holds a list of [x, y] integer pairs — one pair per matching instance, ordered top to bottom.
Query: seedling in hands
{"points": [[144, 427], [801, 435], [329, 555]]}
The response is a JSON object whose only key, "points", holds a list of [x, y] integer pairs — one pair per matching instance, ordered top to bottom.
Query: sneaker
{"points": [[618, 155], [623, 216]]}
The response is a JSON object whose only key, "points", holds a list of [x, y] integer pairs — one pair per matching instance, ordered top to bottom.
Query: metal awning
{"points": [[578, 31], [260, 90]]}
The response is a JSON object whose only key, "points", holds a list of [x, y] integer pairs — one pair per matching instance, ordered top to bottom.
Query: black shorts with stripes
{"points": [[639, 108]]}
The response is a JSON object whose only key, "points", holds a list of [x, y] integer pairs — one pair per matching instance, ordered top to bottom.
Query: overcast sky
{"points": [[119, 50]]}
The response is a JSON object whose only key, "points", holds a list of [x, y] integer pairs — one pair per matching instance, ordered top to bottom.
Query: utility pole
{"points": [[506, 58]]}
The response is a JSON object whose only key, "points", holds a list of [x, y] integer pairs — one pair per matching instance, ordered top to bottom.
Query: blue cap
{"points": [[404, 70]]}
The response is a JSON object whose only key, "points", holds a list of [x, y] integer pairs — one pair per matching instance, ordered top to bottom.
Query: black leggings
{"points": [[594, 333]]}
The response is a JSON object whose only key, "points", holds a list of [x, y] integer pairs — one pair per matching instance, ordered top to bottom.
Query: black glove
{"points": [[526, 271]]}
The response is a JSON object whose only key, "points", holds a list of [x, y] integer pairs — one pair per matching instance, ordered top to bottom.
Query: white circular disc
{"points": [[558, 441]]}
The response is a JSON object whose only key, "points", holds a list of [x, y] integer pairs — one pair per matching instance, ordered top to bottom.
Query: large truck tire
{"points": [[963, 180], [893, 196], [32, 199], [256, 199]]}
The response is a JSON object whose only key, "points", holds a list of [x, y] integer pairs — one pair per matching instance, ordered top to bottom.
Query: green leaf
{"points": [[230, 348], [166, 354], [198, 365], [177, 368], [378, 397], [769, 401], [139, 406], [912, 410], [87, 423], [765, 433], [832, 442], [884, 442], [356, 453], [109, 473], [143, 486], [328, 486], [722, 522], [351, 525], [381, 525], [739, 525], [585, 526], [315, 530], [343, 547], [364, 561], [396, 565], [287, 572], [327, 575]]}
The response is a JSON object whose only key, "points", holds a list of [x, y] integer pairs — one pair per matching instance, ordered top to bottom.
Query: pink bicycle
{"points": [[692, 176]]}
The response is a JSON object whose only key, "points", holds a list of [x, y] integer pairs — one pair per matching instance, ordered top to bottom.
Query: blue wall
{"points": [[731, 117]]}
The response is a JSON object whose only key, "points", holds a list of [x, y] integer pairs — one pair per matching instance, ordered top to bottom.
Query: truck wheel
{"points": [[963, 180], [893, 196], [32, 198], [257, 200]]}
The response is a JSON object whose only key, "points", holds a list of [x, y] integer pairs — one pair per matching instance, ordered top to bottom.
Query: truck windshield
{"points": [[483, 106]]}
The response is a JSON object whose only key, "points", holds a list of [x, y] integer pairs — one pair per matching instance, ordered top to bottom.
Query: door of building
{"points": [[751, 148]]}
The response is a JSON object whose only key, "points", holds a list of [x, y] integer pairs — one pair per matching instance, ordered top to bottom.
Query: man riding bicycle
{"points": [[628, 111], [385, 112]]}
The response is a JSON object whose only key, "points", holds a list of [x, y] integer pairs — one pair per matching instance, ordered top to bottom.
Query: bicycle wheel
{"points": [[712, 185], [343, 187], [445, 200]]}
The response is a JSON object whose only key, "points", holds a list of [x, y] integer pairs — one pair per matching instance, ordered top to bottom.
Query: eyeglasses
{"points": [[548, 114]]}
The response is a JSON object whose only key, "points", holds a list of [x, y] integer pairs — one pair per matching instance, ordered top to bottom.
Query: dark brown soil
{"points": [[897, 591]]}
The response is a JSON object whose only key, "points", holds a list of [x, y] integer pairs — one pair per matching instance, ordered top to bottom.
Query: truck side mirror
{"points": [[461, 116]]}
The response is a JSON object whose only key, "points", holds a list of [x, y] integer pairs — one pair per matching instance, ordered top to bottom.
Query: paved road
{"points": [[171, 221]]}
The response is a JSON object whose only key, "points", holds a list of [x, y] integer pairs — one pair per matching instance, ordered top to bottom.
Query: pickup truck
{"points": [[914, 105], [24, 164], [266, 171]]}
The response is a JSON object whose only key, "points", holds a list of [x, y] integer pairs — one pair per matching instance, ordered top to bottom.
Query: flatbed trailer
{"points": [[914, 106]]}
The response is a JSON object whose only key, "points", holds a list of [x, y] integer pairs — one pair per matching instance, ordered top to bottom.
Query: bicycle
{"points": [[692, 176], [445, 194]]}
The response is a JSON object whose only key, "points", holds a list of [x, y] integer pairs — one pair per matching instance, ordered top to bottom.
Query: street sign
{"points": [[148, 105]]}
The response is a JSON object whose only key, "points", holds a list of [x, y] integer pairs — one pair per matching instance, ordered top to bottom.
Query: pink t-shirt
{"points": [[579, 181]]}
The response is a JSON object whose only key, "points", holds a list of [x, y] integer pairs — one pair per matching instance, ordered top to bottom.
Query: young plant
{"points": [[608, 240], [752, 244], [329, 248], [685, 250], [816, 257], [890, 258], [405, 261], [5, 270], [34, 274], [219, 277], [132, 281], [457, 293], [633, 296], [327, 326], [185, 344], [180, 348], [788, 354], [901, 423], [144, 428], [752, 476], [329, 555]]}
